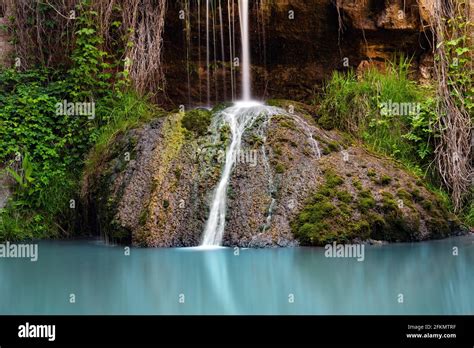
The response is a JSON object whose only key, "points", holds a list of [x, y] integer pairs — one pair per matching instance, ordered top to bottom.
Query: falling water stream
{"points": [[244, 29], [240, 117]]}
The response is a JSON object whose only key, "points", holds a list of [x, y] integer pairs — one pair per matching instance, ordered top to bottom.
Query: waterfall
{"points": [[244, 29], [188, 48], [199, 48], [231, 52], [207, 56], [224, 75], [216, 88], [240, 117]]}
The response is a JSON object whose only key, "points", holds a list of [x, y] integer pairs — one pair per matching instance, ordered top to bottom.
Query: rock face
{"points": [[296, 44], [156, 185]]}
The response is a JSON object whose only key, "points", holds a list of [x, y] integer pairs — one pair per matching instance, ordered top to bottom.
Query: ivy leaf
{"points": [[461, 50]]}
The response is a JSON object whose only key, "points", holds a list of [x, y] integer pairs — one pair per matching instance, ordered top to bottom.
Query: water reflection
{"points": [[149, 281]]}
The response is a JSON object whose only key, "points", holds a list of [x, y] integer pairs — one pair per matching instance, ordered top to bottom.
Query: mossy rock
{"points": [[197, 121], [352, 207]]}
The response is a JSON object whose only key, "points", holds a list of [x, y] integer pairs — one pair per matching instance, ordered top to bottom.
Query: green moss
{"points": [[276, 102], [220, 107], [197, 121], [326, 122], [288, 124], [225, 133], [255, 140], [333, 146], [278, 151], [307, 152], [280, 168], [177, 173], [371, 173], [332, 179], [385, 180], [357, 184], [326, 191], [231, 192], [366, 194], [404, 194], [416, 195], [344, 196], [406, 197], [366, 200], [388, 202], [366, 203], [427, 205], [345, 209], [333, 214], [469, 214], [143, 217], [439, 227], [396, 228], [361, 229], [118, 233], [313, 234]]}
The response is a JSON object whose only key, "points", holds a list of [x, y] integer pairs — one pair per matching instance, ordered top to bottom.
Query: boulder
{"points": [[160, 195]]}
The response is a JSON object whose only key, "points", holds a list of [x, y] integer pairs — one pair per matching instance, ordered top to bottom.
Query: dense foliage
{"points": [[390, 112], [394, 115], [43, 147], [46, 152]]}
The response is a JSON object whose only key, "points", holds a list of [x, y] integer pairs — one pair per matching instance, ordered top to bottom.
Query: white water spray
{"points": [[244, 29], [207, 56], [240, 117]]}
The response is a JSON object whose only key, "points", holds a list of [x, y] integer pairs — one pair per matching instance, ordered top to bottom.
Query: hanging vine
{"points": [[141, 25], [42, 30], [453, 70]]}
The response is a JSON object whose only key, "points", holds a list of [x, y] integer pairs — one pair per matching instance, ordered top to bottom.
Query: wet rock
{"points": [[296, 45], [162, 196]]}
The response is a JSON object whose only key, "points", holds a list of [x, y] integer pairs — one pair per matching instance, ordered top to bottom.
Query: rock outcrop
{"points": [[296, 45], [155, 186]]}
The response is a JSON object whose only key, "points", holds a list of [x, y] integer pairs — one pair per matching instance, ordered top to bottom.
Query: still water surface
{"points": [[156, 281]]}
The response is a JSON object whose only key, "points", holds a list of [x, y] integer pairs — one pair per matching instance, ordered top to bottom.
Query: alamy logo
{"points": [[391, 108], [76, 109], [242, 157], [248, 157], [11, 250], [345, 250], [37, 331]]}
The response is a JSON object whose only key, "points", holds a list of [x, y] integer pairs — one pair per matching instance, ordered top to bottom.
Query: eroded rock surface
{"points": [[295, 44], [160, 195]]}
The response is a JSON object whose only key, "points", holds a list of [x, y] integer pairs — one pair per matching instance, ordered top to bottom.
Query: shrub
{"points": [[393, 114]]}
